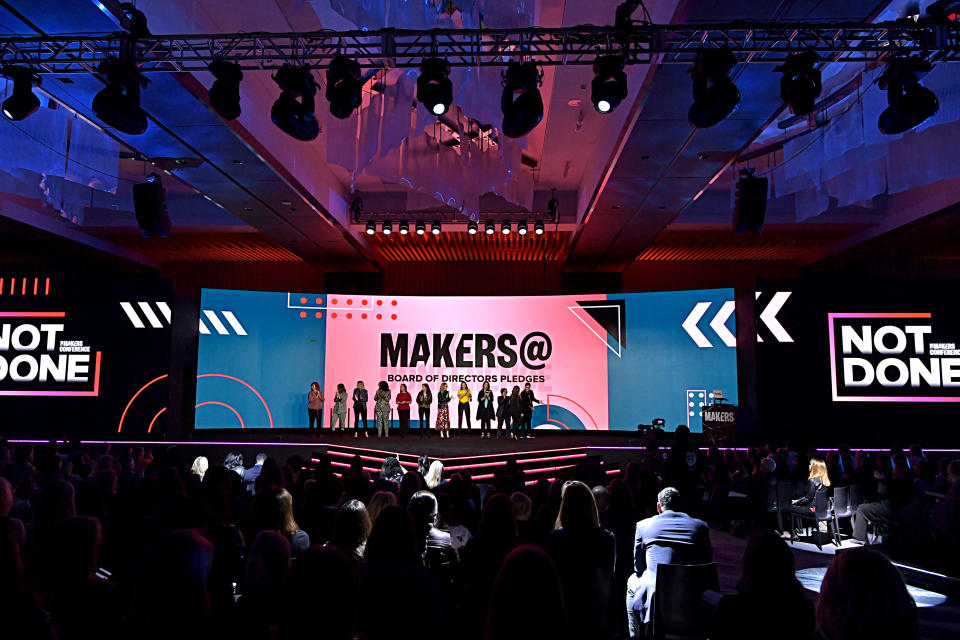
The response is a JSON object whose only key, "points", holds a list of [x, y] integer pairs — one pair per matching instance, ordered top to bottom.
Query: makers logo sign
{"points": [[891, 357], [39, 358]]}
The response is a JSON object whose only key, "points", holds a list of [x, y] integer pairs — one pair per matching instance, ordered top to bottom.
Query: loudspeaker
{"points": [[150, 205], [751, 205]]}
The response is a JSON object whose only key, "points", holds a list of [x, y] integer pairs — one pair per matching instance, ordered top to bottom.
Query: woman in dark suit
{"points": [[424, 400], [360, 409], [485, 410], [503, 411], [515, 412], [818, 485]]}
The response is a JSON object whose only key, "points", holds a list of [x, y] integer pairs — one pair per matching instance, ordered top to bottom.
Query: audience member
{"points": [[351, 529], [671, 537], [585, 555], [769, 596], [864, 596], [527, 599]]}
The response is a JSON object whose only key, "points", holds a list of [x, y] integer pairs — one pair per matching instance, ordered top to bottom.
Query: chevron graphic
{"points": [[144, 314], [717, 324], [218, 326]]}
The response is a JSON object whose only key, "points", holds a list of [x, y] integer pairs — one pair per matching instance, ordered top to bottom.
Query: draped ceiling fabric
{"points": [[394, 140], [58, 157], [849, 162]]}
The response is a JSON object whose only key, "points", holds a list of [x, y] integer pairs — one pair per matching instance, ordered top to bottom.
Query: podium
{"points": [[720, 424]]}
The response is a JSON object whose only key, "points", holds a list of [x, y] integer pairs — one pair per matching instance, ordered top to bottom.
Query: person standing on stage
{"points": [[464, 395], [424, 400], [527, 400], [315, 405], [360, 409], [381, 409], [339, 410], [403, 410], [443, 411], [485, 411], [503, 412], [514, 412]]}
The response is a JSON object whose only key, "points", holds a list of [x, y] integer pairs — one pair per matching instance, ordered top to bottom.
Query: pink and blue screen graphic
{"points": [[596, 362]]}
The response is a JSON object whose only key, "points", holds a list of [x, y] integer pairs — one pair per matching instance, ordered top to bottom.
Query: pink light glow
{"points": [[575, 455]]}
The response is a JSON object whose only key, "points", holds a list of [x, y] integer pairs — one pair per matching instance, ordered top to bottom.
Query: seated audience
{"points": [[250, 475], [818, 487], [894, 492], [380, 501], [272, 510], [351, 529], [671, 537], [585, 555], [482, 557], [266, 568], [769, 596], [864, 596], [320, 598], [527, 599]]}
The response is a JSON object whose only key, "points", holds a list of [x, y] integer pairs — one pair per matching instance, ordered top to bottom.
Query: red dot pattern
{"points": [[319, 300], [303, 301], [334, 301], [349, 302], [363, 302], [379, 302], [393, 302], [303, 314], [319, 314], [333, 315], [349, 316], [364, 316], [379, 316], [393, 316]]}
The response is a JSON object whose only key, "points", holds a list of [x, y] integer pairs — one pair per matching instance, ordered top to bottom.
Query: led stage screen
{"points": [[78, 352], [597, 362], [859, 362]]}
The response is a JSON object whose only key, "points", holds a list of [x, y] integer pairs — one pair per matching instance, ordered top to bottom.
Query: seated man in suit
{"points": [[250, 475], [671, 537]]}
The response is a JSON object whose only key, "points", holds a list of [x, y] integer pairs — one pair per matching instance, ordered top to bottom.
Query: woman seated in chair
{"points": [[818, 485]]}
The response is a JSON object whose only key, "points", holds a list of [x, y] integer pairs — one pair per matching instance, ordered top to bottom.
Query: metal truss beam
{"points": [[387, 48]]}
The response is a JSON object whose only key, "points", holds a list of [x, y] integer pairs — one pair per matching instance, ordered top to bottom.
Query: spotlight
{"points": [[800, 84], [344, 86], [609, 86], [434, 88], [225, 93], [714, 94], [22, 101], [520, 101], [910, 103], [118, 104], [295, 116], [435, 227], [538, 227], [371, 228], [387, 228], [404, 228], [421, 228], [472, 228], [489, 228], [505, 228], [522, 228]]}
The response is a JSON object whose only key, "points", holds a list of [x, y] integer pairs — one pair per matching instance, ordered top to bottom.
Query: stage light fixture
{"points": [[800, 84], [344, 86], [609, 86], [434, 88], [225, 93], [715, 96], [22, 101], [520, 102], [910, 103], [118, 104], [293, 112], [150, 207], [387, 227], [435, 227], [538, 227], [371, 228], [404, 228], [421, 228], [472, 228], [489, 228], [505, 228], [522, 228]]}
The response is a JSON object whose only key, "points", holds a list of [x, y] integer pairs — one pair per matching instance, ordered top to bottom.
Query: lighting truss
{"points": [[640, 43]]}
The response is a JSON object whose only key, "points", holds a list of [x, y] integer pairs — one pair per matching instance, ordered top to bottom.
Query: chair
{"points": [[779, 497], [842, 507], [823, 512], [677, 610]]}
